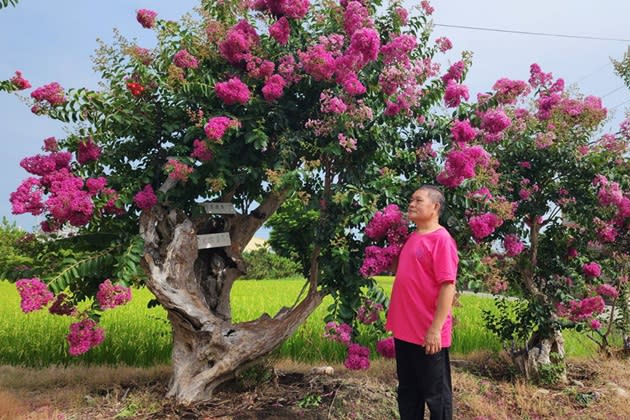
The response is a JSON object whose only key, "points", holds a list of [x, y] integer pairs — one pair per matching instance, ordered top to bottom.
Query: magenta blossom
{"points": [[146, 18], [280, 31], [185, 60], [19, 82], [273, 88], [232, 92], [52, 93], [454, 94], [216, 127], [462, 131], [88, 151], [201, 151], [177, 170], [146, 198], [484, 224], [513, 245], [592, 269], [608, 290], [34, 293], [109, 295], [369, 312], [341, 333], [83, 336], [386, 348], [358, 357]]}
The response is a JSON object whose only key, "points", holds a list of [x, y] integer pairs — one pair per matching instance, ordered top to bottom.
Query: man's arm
{"points": [[433, 340]]}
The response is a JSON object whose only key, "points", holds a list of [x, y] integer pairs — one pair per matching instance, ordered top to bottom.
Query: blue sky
{"points": [[53, 41]]}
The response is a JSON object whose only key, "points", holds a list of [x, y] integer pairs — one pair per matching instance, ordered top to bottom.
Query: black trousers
{"points": [[423, 379]]}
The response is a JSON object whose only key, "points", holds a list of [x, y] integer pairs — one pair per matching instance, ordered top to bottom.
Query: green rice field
{"points": [[140, 336]]}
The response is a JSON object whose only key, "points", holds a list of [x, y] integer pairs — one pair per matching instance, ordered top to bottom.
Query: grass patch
{"points": [[141, 336]]}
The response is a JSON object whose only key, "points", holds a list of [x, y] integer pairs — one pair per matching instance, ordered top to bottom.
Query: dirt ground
{"points": [[484, 388]]}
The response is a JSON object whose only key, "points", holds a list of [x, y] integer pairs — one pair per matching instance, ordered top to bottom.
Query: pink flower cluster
{"points": [[426, 7], [294, 9], [403, 15], [356, 16], [146, 18], [280, 30], [238, 42], [365, 44], [444, 44], [141, 54], [185, 60], [318, 62], [258, 68], [287, 68], [454, 73], [537, 77], [19, 82], [274, 88], [509, 90], [232, 92], [52, 93], [454, 93], [330, 104], [493, 122], [216, 127], [462, 131], [50, 144], [349, 144], [201, 150], [88, 151], [460, 165], [177, 170], [28, 198], [145, 198], [67, 200], [389, 224], [484, 225], [513, 245], [378, 259], [592, 269], [608, 290], [34, 294], [109, 295], [61, 306], [581, 310], [369, 312], [341, 333], [83, 336], [386, 348], [358, 357]]}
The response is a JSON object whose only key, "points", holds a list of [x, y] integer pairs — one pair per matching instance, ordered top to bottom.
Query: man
{"points": [[419, 314]]}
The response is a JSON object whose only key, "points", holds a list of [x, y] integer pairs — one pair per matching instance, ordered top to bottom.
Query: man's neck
{"points": [[428, 227]]}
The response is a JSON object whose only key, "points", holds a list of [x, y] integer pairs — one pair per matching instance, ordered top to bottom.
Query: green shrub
{"points": [[17, 251], [265, 264]]}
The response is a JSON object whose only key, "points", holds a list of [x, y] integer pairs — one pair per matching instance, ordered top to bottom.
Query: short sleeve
{"points": [[445, 260]]}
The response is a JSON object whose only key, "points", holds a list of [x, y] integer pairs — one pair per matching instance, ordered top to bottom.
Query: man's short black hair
{"points": [[436, 195]]}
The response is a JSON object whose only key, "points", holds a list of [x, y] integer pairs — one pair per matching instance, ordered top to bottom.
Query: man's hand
{"points": [[432, 341]]}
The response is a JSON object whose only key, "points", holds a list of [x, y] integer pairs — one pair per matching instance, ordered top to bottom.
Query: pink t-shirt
{"points": [[426, 261]]}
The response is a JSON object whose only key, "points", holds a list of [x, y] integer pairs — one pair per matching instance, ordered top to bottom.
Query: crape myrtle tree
{"points": [[251, 103], [546, 200]]}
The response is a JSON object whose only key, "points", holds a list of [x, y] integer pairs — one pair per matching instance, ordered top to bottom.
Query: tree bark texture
{"points": [[194, 287], [545, 351]]}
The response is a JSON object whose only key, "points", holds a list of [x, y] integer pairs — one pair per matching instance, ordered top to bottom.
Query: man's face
{"points": [[421, 207]]}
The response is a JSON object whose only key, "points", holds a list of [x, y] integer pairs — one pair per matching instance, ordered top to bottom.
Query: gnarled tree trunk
{"points": [[194, 287], [542, 352]]}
